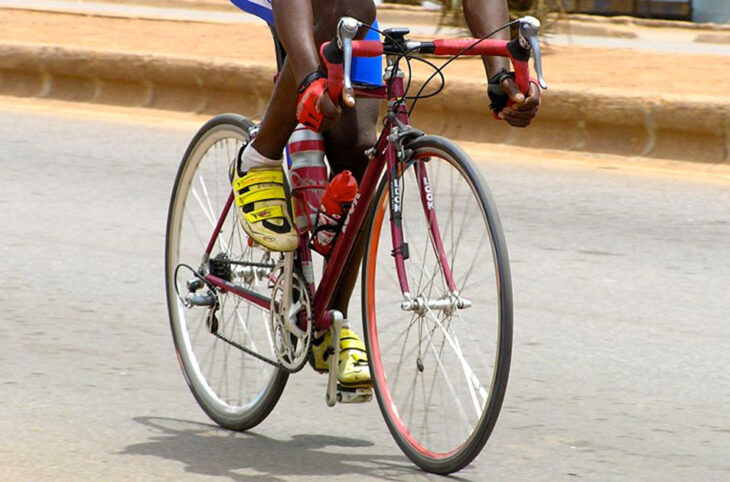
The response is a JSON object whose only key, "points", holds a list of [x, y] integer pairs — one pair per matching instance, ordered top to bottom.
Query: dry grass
{"points": [[452, 13]]}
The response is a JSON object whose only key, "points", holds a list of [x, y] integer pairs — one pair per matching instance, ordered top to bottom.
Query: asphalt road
{"points": [[622, 345]]}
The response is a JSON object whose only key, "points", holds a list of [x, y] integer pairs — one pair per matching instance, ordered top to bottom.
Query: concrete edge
{"points": [[127, 16], [644, 22], [576, 24], [713, 38], [669, 128]]}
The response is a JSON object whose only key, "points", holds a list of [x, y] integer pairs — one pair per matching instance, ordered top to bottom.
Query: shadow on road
{"points": [[209, 450]]}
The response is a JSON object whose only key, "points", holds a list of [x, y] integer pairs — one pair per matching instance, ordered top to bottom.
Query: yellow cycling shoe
{"points": [[262, 207], [353, 370]]}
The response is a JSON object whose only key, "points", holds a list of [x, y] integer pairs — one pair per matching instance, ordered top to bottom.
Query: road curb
{"points": [[665, 127]]}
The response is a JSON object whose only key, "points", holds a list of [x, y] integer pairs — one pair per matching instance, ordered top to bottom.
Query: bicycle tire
{"points": [[411, 382], [239, 392]]}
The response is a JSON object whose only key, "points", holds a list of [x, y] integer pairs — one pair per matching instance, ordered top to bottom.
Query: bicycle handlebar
{"points": [[338, 53]]}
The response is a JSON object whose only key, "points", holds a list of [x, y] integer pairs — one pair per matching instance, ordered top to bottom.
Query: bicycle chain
{"points": [[248, 351], [253, 353]]}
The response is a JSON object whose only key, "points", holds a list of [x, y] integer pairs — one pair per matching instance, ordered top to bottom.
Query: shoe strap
{"points": [[259, 177], [258, 195], [266, 212], [351, 342]]}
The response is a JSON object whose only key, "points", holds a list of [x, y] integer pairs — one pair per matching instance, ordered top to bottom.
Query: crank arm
{"points": [[338, 322]]}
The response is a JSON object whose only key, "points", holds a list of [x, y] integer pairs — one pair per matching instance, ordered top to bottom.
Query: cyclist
{"points": [[257, 177]]}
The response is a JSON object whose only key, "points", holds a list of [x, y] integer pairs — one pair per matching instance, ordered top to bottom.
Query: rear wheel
{"points": [[440, 365], [235, 389]]}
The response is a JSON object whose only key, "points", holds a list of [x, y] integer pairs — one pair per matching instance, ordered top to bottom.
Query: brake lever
{"points": [[347, 28], [529, 28]]}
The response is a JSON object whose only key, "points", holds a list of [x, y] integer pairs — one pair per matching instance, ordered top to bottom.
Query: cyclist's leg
{"points": [[280, 120], [344, 152], [257, 176], [267, 221]]}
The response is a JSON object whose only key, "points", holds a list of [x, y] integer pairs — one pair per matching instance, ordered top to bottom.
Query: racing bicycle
{"points": [[436, 286]]}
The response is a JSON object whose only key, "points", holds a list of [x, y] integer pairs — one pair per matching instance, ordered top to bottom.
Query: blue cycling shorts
{"points": [[368, 70]]}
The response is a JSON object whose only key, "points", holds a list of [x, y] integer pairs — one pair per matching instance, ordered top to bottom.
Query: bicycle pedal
{"points": [[354, 395]]}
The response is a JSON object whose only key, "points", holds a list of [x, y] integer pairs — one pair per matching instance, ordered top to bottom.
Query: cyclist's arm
{"points": [[484, 17], [293, 20]]}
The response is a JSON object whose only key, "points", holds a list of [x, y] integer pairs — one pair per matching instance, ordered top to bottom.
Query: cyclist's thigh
{"points": [[355, 130]]}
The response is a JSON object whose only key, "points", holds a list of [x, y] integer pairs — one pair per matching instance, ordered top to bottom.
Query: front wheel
{"points": [[440, 354], [236, 389]]}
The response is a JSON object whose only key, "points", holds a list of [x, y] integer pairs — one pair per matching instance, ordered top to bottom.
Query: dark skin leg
{"points": [[279, 120], [349, 137], [346, 143], [345, 150], [348, 153]]}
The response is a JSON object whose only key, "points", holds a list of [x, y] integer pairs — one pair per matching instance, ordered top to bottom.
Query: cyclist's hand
{"points": [[314, 108], [523, 108], [329, 110]]}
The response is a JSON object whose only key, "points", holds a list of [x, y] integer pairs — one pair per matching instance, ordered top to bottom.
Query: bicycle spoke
{"points": [[204, 207], [208, 208], [194, 227], [455, 243], [463, 283], [401, 363], [472, 380], [449, 385]]}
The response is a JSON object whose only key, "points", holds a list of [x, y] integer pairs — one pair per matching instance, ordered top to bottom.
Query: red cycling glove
{"points": [[310, 92]]}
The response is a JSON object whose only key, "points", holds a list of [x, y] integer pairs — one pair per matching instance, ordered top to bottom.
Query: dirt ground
{"points": [[619, 70]]}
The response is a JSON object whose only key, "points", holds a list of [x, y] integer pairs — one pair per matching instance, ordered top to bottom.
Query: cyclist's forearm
{"points": [[483, 17], [295, 27]]}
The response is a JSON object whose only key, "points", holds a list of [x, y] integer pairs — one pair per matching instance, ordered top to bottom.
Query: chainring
{"points": [[291, 343]]}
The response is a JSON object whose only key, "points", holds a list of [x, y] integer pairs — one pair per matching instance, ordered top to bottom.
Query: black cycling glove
{"points": [[497, 96]]}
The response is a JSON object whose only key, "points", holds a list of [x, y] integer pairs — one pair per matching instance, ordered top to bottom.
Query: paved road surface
{"points": [[621, 347]]}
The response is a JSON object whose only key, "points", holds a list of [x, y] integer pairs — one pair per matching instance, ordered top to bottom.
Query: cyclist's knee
{"points": [[363, 10], [326, 14]]}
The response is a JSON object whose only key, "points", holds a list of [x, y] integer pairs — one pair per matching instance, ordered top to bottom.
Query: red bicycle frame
{"points": [[386, 158]]}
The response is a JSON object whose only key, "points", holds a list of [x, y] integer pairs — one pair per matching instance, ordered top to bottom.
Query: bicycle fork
{"points": [[420, 304]]}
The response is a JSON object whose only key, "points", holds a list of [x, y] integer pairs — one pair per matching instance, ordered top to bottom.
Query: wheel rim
{"points": [[225, 381], [442, 408]]}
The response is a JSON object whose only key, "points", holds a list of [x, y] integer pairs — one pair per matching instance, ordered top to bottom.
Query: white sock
{"points": [[252, 158]]}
